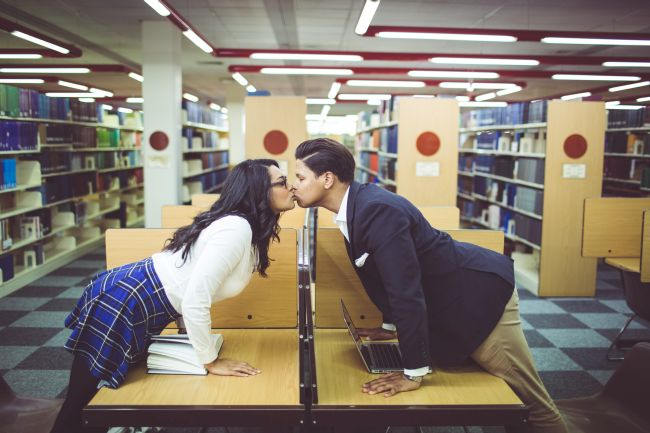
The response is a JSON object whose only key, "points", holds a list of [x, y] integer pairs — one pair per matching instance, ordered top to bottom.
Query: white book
{"points": [[174, 354]]}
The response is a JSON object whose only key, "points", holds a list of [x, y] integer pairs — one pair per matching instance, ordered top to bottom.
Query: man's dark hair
{"points": [[325, 154]]}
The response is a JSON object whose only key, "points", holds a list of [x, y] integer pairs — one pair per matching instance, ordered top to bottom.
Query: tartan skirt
{"points": [[115, 317]]}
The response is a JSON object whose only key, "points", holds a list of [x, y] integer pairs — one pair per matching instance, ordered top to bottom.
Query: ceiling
{"points": [[109, 32]]}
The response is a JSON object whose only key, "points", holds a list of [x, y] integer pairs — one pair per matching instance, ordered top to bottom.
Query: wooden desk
{"points": [[627, 264], [460, 396], [178, 400]]}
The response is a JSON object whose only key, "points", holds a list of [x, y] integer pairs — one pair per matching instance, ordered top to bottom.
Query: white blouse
{"points": [[219, 266]]}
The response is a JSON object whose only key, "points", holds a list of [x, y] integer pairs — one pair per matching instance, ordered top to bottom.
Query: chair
{"points": [[622, 406], [25, 415]]}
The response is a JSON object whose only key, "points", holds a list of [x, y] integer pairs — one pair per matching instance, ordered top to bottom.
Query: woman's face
{"points": [[281, 191]]}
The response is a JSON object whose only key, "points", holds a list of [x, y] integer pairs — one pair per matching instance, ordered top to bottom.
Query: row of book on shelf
{"points": [[385, 112], [199, 113], [513, 114], [628, 118], [200, 139], [383, 139], [505, 141], [627, 142], [524, 169], [8, 173], [60, 188]]}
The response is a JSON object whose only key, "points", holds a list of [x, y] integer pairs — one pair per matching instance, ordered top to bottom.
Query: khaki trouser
{"points": [[505, 354]]}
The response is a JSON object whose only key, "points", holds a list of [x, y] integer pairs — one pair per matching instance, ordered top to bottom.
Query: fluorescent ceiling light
{"points": [[158, 7], [365, 18], [447, 36], [196, 40], [594, 41], [41, 42], [21, 56], [305, 56], [481, 61], [627, 64], [46, 70], [306, 71], [453, 74], [136, 77], [584, 77], [240, 79], [21, 81], [384, 83], [72, 85], [472, 86], [629, 86], [250, 88], [334, 90], [508, 91], [104, 93], [74, 95], [362, 96], [423, 96], [486, 96], [575, 96], [190, 97], [462, 98], [87, 99], [644, 99], [135, 100], [320, 101], [373, 102], [612, 103], [483, 104], [214, 106], [107, 107], [624, 107], [326, 109], [124, 110], [224, 110], [312, 117]]}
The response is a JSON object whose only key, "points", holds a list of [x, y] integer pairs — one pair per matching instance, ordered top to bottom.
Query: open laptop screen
{"points": [[350, 325]]}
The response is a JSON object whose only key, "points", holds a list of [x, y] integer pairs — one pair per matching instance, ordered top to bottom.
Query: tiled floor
{"points": [[568, 336]]}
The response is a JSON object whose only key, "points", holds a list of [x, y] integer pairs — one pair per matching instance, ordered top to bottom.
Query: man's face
{"points": [[309, 189]]}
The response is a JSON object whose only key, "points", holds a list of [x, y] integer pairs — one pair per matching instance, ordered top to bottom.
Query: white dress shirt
{"points": [[341, 220], [219, 266]]}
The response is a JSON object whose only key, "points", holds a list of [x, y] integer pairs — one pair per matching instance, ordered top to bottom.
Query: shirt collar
{"points": [[342, 216]]}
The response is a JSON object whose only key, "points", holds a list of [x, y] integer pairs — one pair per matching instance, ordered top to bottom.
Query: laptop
{"points": [[382, 357]]}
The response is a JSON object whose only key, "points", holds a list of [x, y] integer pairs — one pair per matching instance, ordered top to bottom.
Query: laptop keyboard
{"points": [[385, 356]]}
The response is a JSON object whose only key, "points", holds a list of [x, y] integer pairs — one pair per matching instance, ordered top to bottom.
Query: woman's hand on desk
{"points": [[377, 333], [229, 367], [390, 384]]}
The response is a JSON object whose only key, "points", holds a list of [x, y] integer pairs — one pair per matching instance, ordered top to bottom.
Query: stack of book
{"points": [[174, 354]]}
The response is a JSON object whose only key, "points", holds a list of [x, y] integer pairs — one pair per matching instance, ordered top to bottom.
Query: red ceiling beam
{"points": [[10, 26], [521, 35]]}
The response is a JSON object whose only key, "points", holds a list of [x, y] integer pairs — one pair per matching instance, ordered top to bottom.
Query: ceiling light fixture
{"points": [[158, 7], [366, 16], [447, 36], [198, 41], [594, 41], [41, 42], [21, 56], [299, 56], [483, 61], [627, 64], [62, 70], [306, 71], [453, 74], [136, 77], [585, 77], [240, 79], [21, 81], [384, 83], [72, 85], [470, 86], [629, 86], [251, 89], [334, 90], [508, 91], [104, 93], [74, 95], [362, 96], [486, 96], [575, 96], [190, 97], [462, 98], [86, 99], [643, 99], [135, 100], [320, 101], [482, 104], [215, 106], [107, 107], [624, 107], [326, 109], [124, 110], [224, 110]]}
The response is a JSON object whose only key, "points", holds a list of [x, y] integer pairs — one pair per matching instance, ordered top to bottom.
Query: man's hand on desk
{"points": [[377, 333], [229, 367], [390, 384]]}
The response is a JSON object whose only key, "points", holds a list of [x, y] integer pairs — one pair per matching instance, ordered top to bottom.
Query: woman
{"points": [[205, 262]]}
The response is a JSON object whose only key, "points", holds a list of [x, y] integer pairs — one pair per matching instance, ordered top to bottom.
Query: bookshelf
{"points": [[418, 136], [206, 148], [75, 168], [626, 171], [527, 172]]}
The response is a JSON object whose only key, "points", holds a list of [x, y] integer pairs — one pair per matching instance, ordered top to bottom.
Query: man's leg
{"points": [[505, 354]]}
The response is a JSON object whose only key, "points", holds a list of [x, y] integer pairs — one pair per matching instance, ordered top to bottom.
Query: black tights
{"points": [[81, 389]]}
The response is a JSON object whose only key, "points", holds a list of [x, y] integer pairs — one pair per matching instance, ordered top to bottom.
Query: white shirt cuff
{"points": [[389, 327], [417, 371]]}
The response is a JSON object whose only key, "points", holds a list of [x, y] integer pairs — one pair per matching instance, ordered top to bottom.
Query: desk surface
{"points": [[628, 264], [274, 351], [340, 374]]}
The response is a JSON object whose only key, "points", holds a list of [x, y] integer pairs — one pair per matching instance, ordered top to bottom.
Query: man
{"points": [[447, 300]]}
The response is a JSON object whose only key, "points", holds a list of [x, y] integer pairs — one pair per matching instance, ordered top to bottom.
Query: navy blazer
{"points": [[414, 274]]}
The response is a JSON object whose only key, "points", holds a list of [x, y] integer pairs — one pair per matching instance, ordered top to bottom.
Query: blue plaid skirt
{"points": [[115, 317]]}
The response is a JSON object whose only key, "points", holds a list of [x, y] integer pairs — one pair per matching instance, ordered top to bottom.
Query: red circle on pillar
{"points": [[159, 140], [276, 142], [428, 143], [575, 146]]}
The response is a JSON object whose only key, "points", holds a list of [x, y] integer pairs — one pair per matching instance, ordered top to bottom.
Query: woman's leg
{"points": [[81, 389]]}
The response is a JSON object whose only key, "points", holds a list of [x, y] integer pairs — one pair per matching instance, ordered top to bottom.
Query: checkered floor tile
{"points": [[568, 337]]}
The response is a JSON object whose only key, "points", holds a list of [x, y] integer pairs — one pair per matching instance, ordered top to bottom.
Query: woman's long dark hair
{"points": [[246, 193]]}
